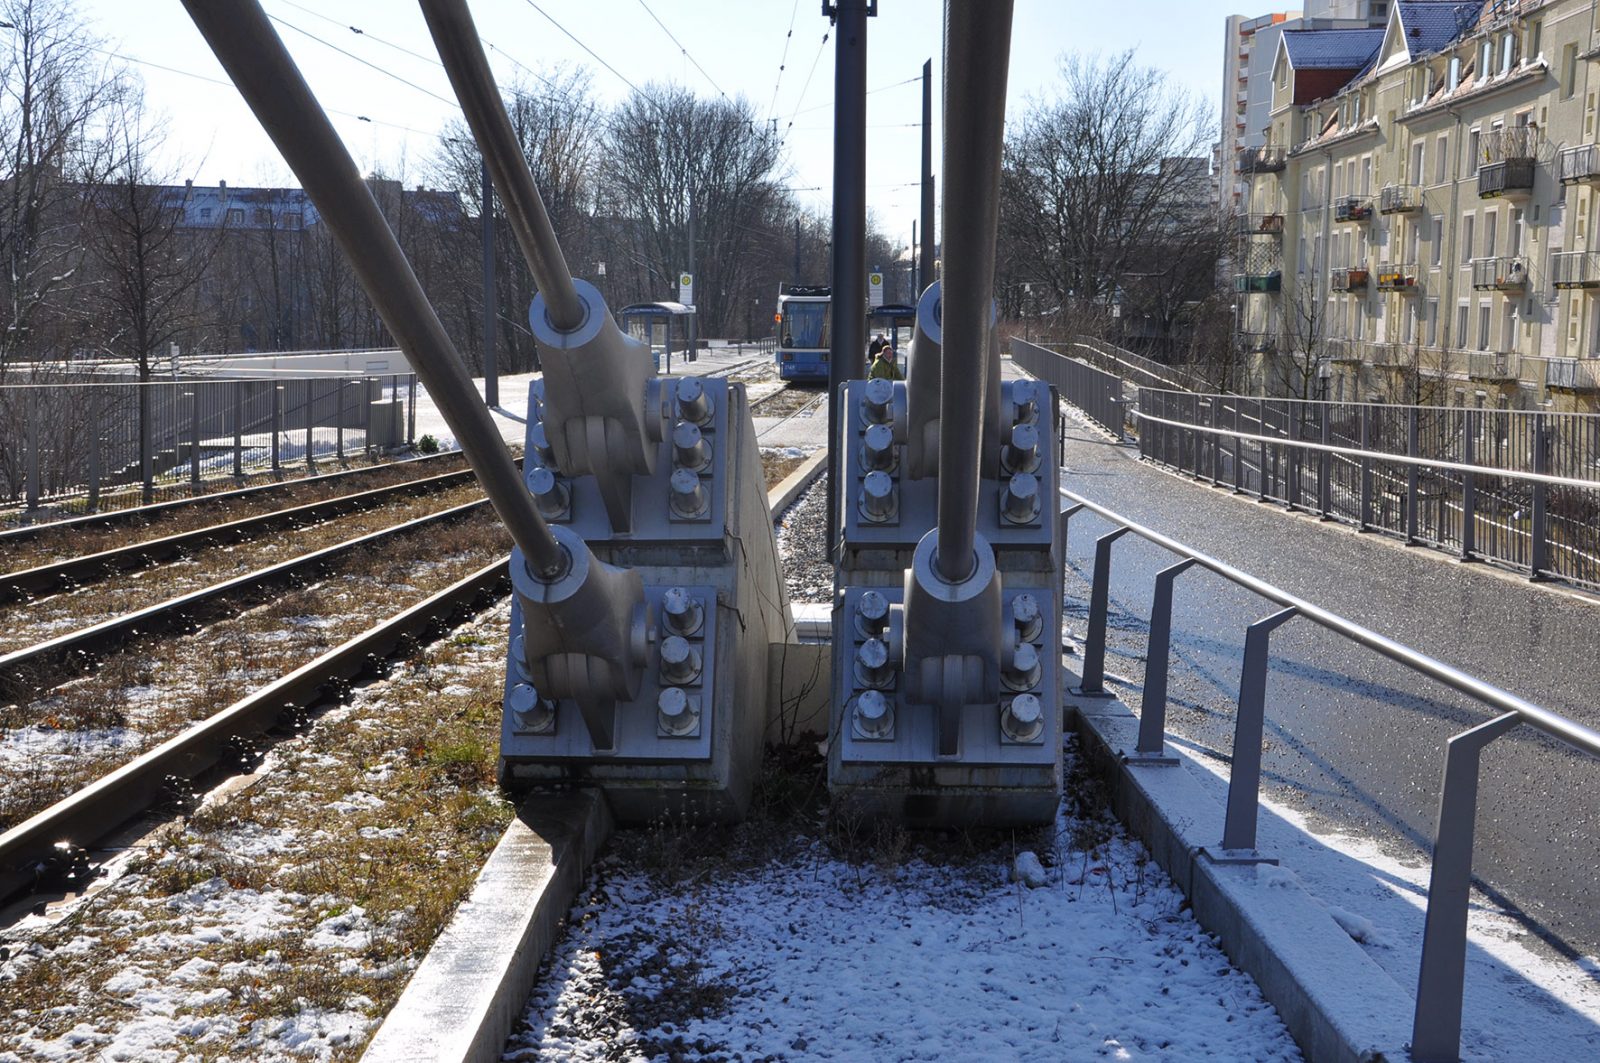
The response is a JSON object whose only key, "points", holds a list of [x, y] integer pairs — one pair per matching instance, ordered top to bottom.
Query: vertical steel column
{"points": [[977, 58], [930, 244], [847, 354], [491, 367], [96, 412], [277, 426], [238, 428], [194, 434], [31, 442], [147, 463], [1413, 474], [1469, 485], [1364, 521], [1539, 561], [1094, 643], [1153, 707], [1244, 777], [1436, 1024]]}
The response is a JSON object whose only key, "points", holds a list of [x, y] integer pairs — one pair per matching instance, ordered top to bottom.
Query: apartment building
{"points": [[1421, 213]]}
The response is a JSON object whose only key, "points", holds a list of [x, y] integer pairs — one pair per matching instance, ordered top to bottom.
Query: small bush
{"points": [[428, 445]]}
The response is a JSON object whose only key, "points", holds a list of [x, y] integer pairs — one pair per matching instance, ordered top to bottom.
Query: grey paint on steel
{"points": [[260, 66]]}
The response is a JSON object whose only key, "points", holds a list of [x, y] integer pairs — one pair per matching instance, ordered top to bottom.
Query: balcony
{"points": [[1265, 158], [1508, 160], [1581, 163], [1399, 199], [1352, 208], [1260, 224], [1575, 269], [1505, 273], [1397, 277], [1353, 279], [1258, 283], [1256, 342], [1341, 352], [1389, 355], [1492, 366], [1572, 374]]}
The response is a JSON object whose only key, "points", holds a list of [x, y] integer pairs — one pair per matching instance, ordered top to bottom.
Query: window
{"points": [[1535, 38], [1508, 52], [1485, 57], [1569, 71], [1453, 78], [1472, 148], [1440, 158], [1416, 161], [1366, 176], [205, 213], [235, 215], [263, 216], [291, 220], [1490, 224], [1436, 229], [1514, 235], [1466, 239], [1415, 253], [1410, 323], [1433, 323], [1483, 326], [1460, 336]]}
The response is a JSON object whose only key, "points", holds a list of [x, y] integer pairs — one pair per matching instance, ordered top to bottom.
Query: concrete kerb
{"points": [[792, 486], [1337, 1003]]}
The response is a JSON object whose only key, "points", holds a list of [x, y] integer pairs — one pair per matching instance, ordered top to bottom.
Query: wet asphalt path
{"points": [[1353, 739]]}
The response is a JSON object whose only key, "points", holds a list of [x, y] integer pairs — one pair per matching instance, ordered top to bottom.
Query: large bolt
{"points": [[1025, 397], [877, 402], [693, 403], [539, 440], [689, 448], [877, 449], [1023, 453], [553, 497], [689, 499], [878, 502], [1020, 504], [681, 612], [872, 615], [1026, 616], [680, 662], [872, 664], [1024, 670], [530, 713], [677, 714], [873, 715], [1022, 719]]}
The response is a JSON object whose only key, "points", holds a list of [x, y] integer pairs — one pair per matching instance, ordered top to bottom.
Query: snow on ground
{"points": [[905, 956]]}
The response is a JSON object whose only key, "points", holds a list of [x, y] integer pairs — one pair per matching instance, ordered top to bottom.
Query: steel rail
{"points": [[461, 51], [259, 65], [1378, 455], [159, 509], [88, 568], [21, 671], [1553, 724], [123, 795]]}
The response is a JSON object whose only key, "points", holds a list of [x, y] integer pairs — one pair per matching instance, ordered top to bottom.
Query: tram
{"points": [[804, 319]]}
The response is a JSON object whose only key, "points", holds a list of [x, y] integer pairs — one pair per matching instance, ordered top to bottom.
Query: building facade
{"points": [[1421, 213]]}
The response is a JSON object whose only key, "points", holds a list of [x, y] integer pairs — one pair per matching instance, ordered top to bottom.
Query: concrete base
{"points": [[463, 1001], [1337, 1003]]}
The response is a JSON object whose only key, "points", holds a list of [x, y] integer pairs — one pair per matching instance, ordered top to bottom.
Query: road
{"points": [[1354, 740]]}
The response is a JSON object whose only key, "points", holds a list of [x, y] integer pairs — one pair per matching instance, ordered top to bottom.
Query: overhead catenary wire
{"points": [[682, 49], [783, 61], [364, 62], [807, 86]]}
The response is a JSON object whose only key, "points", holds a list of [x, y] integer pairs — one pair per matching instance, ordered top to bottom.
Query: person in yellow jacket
{"points": [[884, 365]]}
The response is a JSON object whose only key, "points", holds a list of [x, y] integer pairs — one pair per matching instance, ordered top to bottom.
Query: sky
{"points": [[734, 48]]}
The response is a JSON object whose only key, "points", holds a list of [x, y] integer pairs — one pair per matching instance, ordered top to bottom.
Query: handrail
{"points": [[1380, 455], [1436, 1019]]}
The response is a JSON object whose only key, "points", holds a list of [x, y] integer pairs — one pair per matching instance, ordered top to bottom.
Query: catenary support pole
{"points": [[925, 271], [491, 308]]}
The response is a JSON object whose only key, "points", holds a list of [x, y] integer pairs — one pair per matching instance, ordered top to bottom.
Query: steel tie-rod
{"points": [[461, 51], [977, 53], [260, 66]]}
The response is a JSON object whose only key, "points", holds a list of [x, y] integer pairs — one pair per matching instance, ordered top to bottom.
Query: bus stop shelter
{"points": [[652, 324]]}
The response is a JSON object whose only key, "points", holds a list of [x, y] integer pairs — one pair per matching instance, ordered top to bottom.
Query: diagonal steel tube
{"points": [[461, 51], [977, 55], [260, 66]]}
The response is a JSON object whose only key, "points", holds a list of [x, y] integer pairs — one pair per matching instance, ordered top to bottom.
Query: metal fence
{"points": [[1098, 394], [85, 447], [1521, 488], [1436, 1029]]}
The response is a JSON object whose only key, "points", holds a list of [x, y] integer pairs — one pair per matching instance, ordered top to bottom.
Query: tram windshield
{"points": [[805, 325]]}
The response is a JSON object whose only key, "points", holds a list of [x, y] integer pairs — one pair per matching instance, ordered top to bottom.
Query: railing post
{"points": [[342, 388], [310, 408], [411, 412], [96, 413], [366, 414], [277, 426], [238, 429], [1261, 431], [194, 435], [1216, 442], [31, 444], [1238, 447], [1291, 455], [147, 465], [1325, 470], [1413, 476], [1469, 485], [1365, 521], [1539, 562], [1094, 644], [1153, 706], [1244, 778], [1441, 979]]}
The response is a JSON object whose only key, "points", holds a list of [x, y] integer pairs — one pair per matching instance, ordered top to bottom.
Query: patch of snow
{"points": [[1027, 869]]}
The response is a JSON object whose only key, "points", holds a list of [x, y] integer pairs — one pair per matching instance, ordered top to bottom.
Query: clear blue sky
{"points": [[212, 136]]}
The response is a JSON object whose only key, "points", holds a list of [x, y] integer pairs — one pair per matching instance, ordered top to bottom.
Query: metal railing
{"points": [[1580, 163], [1399, 199], [1575, 269], [1500, 273], [1492, 365], [1573, 374], [1098, 394], [89, 447], [1519, 488], [1441, 978]]}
